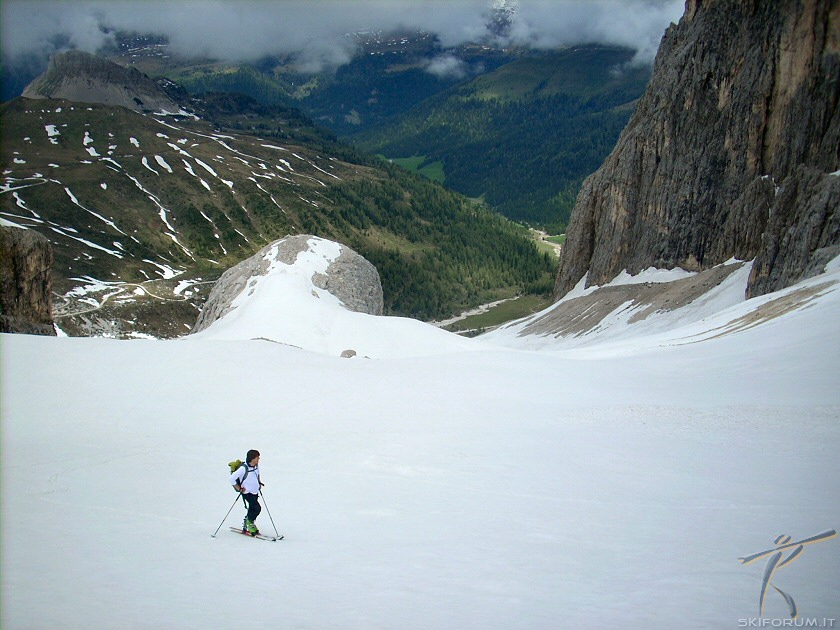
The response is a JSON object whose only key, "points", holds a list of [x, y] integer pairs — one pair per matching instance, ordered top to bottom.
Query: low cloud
{"points": [[638, 25], [316, 33], [447, 67]]}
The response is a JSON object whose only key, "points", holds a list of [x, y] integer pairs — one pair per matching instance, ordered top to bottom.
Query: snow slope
{"points": [[621, 324], [612, 485]]}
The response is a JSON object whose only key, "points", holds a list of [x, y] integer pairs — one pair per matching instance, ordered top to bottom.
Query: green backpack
{"points": [[236, 465]]}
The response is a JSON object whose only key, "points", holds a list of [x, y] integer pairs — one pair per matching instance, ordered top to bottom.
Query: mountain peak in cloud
{"points": [[502, 15]]}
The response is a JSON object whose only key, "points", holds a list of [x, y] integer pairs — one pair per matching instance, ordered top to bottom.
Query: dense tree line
{"points": [[245, 80], [435, 251]]}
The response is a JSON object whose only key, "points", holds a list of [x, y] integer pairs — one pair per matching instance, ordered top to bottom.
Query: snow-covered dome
{"points": [[318, 295]]}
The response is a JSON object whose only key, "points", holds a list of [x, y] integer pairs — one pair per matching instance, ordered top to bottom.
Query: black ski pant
{"points": [[254, 507]]}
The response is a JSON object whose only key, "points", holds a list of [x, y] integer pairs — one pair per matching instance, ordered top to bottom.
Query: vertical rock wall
{"points": [[729, 153], [26, 260]]}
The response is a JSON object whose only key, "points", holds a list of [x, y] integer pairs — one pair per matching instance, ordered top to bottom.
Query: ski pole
{"points": [[276, 533], [213, 535]]}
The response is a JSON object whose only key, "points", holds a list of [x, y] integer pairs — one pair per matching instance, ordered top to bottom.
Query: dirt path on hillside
{"points": [[543, 238], [478, 310]]}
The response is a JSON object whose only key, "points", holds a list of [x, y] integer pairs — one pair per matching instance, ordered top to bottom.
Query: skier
{"points": [[246, 480]]}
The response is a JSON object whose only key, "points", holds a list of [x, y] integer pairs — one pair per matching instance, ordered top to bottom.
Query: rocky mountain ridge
{"points": [[84, 78], [732, 152]]}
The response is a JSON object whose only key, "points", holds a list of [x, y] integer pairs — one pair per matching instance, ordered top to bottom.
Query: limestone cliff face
{"points": [[85, 78], [730, 152], [26, 260]]}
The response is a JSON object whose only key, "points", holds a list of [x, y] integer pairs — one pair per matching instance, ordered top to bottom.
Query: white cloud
{"points": [[635, 24], [316, 31], [447, 67]]}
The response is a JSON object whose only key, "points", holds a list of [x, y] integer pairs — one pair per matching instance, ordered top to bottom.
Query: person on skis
{"points": [[246, 481]]}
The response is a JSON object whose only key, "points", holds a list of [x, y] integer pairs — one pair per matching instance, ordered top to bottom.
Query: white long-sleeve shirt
{"points": [[252, 481]]}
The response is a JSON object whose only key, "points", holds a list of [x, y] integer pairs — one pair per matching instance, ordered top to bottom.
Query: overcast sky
{"points": [[242, 30]]}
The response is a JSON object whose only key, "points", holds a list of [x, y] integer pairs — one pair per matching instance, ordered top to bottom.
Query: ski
{"points": [[238, 530]]}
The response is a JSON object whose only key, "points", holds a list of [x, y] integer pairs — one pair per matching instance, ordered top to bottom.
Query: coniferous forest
{"points": [[523, 146], [533, 177], [440, 262]]}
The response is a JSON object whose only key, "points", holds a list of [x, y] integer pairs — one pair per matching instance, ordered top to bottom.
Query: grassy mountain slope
{"points": [[519, 128], [525, 135], [144, 211]]}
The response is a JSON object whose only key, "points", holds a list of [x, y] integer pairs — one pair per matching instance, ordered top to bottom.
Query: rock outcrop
{"points": [[85, 78], [730, 152], [26, 260], [349, 277]]}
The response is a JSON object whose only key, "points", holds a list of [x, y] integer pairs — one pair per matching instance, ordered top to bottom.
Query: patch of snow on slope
{"points": [[52, 133], [178, 149], [145, 162], [163, 164], [206, 167], [189, 168], [210, 170], [20, 203], [163, 213], [108, 222], [6, 223], [65, 232], [166, 272], [652, 274]]}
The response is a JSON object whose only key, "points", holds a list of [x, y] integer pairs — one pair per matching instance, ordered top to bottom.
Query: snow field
{"points": [[468, 485], [425, 492]]}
